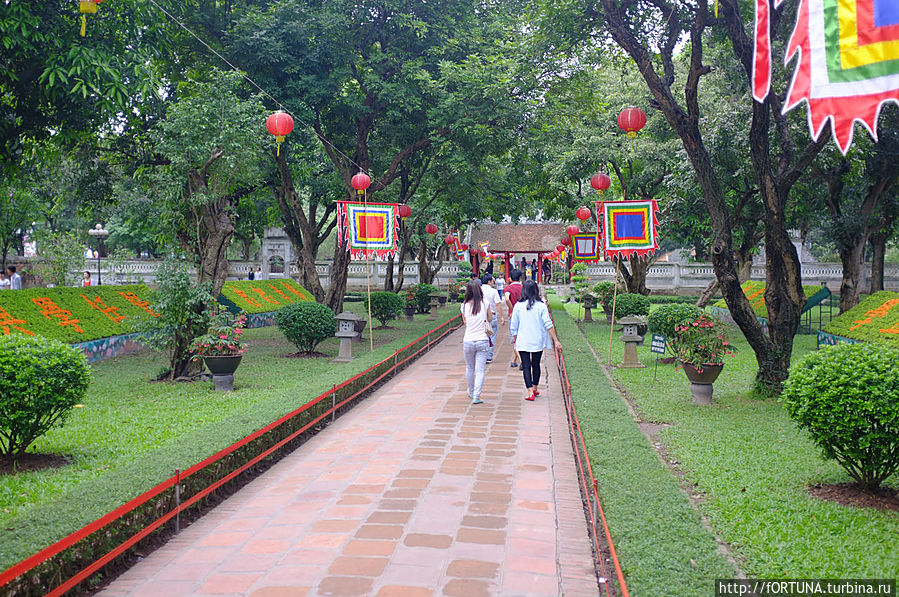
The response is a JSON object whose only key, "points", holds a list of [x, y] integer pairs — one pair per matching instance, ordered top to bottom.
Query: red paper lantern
{"points": [[631, 120], [279, 124], [360, 182], [600, 182], [404, 210], [583, 213], [430, 228], [572, 230], [450, 239], [566, 241], [464, 247], [560, 248]]}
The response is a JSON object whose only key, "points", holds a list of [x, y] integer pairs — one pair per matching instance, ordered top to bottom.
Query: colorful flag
{"points": [[848, 62], [629, 227], [367, 229], [585, 247]]}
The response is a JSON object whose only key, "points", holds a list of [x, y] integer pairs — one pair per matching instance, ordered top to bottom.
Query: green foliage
{"points": [[62, 253], [464, 274], [580, 281], [604, 292], [755, 292], [262, 296], [423, 296], [664, 299], [631, 304], [385, 306], [181, 308], [79, 315], [664, 319], [874, 320], [306, 324], [222, 338], [702, 341], [41, 381], [847, 398]]}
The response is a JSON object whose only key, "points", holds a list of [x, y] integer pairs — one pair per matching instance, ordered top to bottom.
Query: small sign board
{"points": [[658, 344]]}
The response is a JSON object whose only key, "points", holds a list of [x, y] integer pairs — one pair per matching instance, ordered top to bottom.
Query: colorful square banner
{"points": [[628, 227], [368, 229], [585, 247]]}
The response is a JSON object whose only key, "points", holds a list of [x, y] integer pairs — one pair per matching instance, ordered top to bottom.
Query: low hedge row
{"points": [[755, 292], [261, 296], [73, 315], [875, 320]]}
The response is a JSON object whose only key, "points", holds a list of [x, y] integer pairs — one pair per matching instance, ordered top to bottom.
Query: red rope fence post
{"points": [[177, 500]]}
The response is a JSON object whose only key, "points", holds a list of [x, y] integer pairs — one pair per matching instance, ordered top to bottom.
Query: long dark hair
{"points": [[530, 293], [474, 296]]}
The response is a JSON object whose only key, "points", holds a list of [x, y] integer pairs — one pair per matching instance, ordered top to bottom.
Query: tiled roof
{"points": [[519, 238]]}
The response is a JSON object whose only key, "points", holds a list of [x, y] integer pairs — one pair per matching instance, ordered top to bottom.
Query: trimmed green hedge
{"points": [[755, 292], [262, 296], [73, 315], [875, 320]]}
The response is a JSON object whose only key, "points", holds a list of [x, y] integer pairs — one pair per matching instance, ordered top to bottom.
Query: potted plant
{"points": [[605, 293], [410, 304], [664, 319], [700, 346], [221, 347]]}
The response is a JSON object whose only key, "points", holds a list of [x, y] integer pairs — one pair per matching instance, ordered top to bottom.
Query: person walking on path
{"points": [[534, 270], [15, 280], [500, 284], [512, 293], [491, 297], [531, 328], [476, 342]]}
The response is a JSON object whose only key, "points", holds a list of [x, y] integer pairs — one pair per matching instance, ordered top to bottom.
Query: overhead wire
{"points": [[321, 137]]}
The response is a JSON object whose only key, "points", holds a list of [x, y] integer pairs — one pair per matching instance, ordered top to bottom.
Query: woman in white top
{"points": [[4, 282], [531, 328], [476, 341]]}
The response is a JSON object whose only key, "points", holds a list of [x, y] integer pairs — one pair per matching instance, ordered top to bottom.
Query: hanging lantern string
{"points": [[263, 91]]}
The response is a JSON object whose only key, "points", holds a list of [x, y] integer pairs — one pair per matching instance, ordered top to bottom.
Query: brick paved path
{"points": [[414, 492]]}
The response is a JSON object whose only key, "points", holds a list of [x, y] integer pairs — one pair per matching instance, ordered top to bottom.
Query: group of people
{"points": [[257, 275], [10, 280], [530, 330]]}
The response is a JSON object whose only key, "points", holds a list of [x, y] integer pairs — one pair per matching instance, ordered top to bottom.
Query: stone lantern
{"points": [[435, 303], [346, 331], [630, 339]]}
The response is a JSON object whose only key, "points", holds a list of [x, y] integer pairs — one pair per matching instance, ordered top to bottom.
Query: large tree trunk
{"points": [[878, 242], [852, 258], [388, 275], [635, 275]]}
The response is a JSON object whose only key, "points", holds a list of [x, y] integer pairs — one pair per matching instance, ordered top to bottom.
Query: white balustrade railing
{"points": [[685, 277]]}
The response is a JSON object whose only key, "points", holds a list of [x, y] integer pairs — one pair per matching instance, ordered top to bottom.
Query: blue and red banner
{"points": [[848, 62], [629, 227], [367, 229], [585, 247]]}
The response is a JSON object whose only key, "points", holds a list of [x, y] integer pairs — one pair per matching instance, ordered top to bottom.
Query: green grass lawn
{"points": [[132, 433], [751, 466]]}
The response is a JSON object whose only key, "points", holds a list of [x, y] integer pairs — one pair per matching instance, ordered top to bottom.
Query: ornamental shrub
{"points": [[580, 281], [604, 292], [423, 296], [631, 304], [385, 306], [664, 319], [306, 324], [41, 381], [847, 398]]}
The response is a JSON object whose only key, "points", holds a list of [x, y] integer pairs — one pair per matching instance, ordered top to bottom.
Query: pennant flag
{"points": [[848, 63], [629, 227], [367, 229], [485, 246], [585, 247]]}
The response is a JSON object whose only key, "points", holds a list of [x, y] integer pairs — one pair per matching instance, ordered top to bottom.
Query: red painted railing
{"points": [[383, 368], [589, 485]]}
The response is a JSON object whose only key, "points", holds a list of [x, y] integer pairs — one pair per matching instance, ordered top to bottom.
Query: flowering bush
{"points": [[410, 299], [222, 338], [702, 341]]}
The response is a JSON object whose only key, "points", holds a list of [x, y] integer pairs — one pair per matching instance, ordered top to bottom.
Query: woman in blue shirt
{"points": [[531, 329]]}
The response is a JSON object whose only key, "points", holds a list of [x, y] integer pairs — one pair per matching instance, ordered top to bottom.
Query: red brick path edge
{"points": [[414, 492]]}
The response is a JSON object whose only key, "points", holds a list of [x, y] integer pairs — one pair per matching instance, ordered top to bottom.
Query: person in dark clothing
{"points": [[489, 268], [534, 270], [547, 271]]}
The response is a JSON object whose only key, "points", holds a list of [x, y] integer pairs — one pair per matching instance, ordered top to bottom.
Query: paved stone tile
{"points": [[426, 540], [370, 548], [358, 566], [472, 569], [219, 584], [345, 586], [466, 587], [404, 591], [280, 592]]}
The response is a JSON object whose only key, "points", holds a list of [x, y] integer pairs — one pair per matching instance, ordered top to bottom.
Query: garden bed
{"points": [[875, 320], [746, 467]]}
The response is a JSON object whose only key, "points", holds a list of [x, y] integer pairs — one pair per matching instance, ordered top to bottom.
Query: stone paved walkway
{"points": [[415, 492]]}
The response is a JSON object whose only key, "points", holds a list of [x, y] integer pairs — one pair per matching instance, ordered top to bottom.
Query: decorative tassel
{"points": [[716, 9], [83, 25]]}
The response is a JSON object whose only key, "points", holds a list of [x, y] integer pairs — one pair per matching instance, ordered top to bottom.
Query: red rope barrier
{"points": [[68, 541]]}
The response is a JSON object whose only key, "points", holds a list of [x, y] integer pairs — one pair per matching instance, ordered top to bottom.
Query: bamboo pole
{"points": [[614, 300], [371, 330]]}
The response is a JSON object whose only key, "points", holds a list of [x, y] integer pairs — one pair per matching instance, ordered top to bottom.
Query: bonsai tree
{"points": [[580, 281], [605, 292], [423, 296], [631, 304], [385, 306], [306, 324], [41, 381], [847, 398]]}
